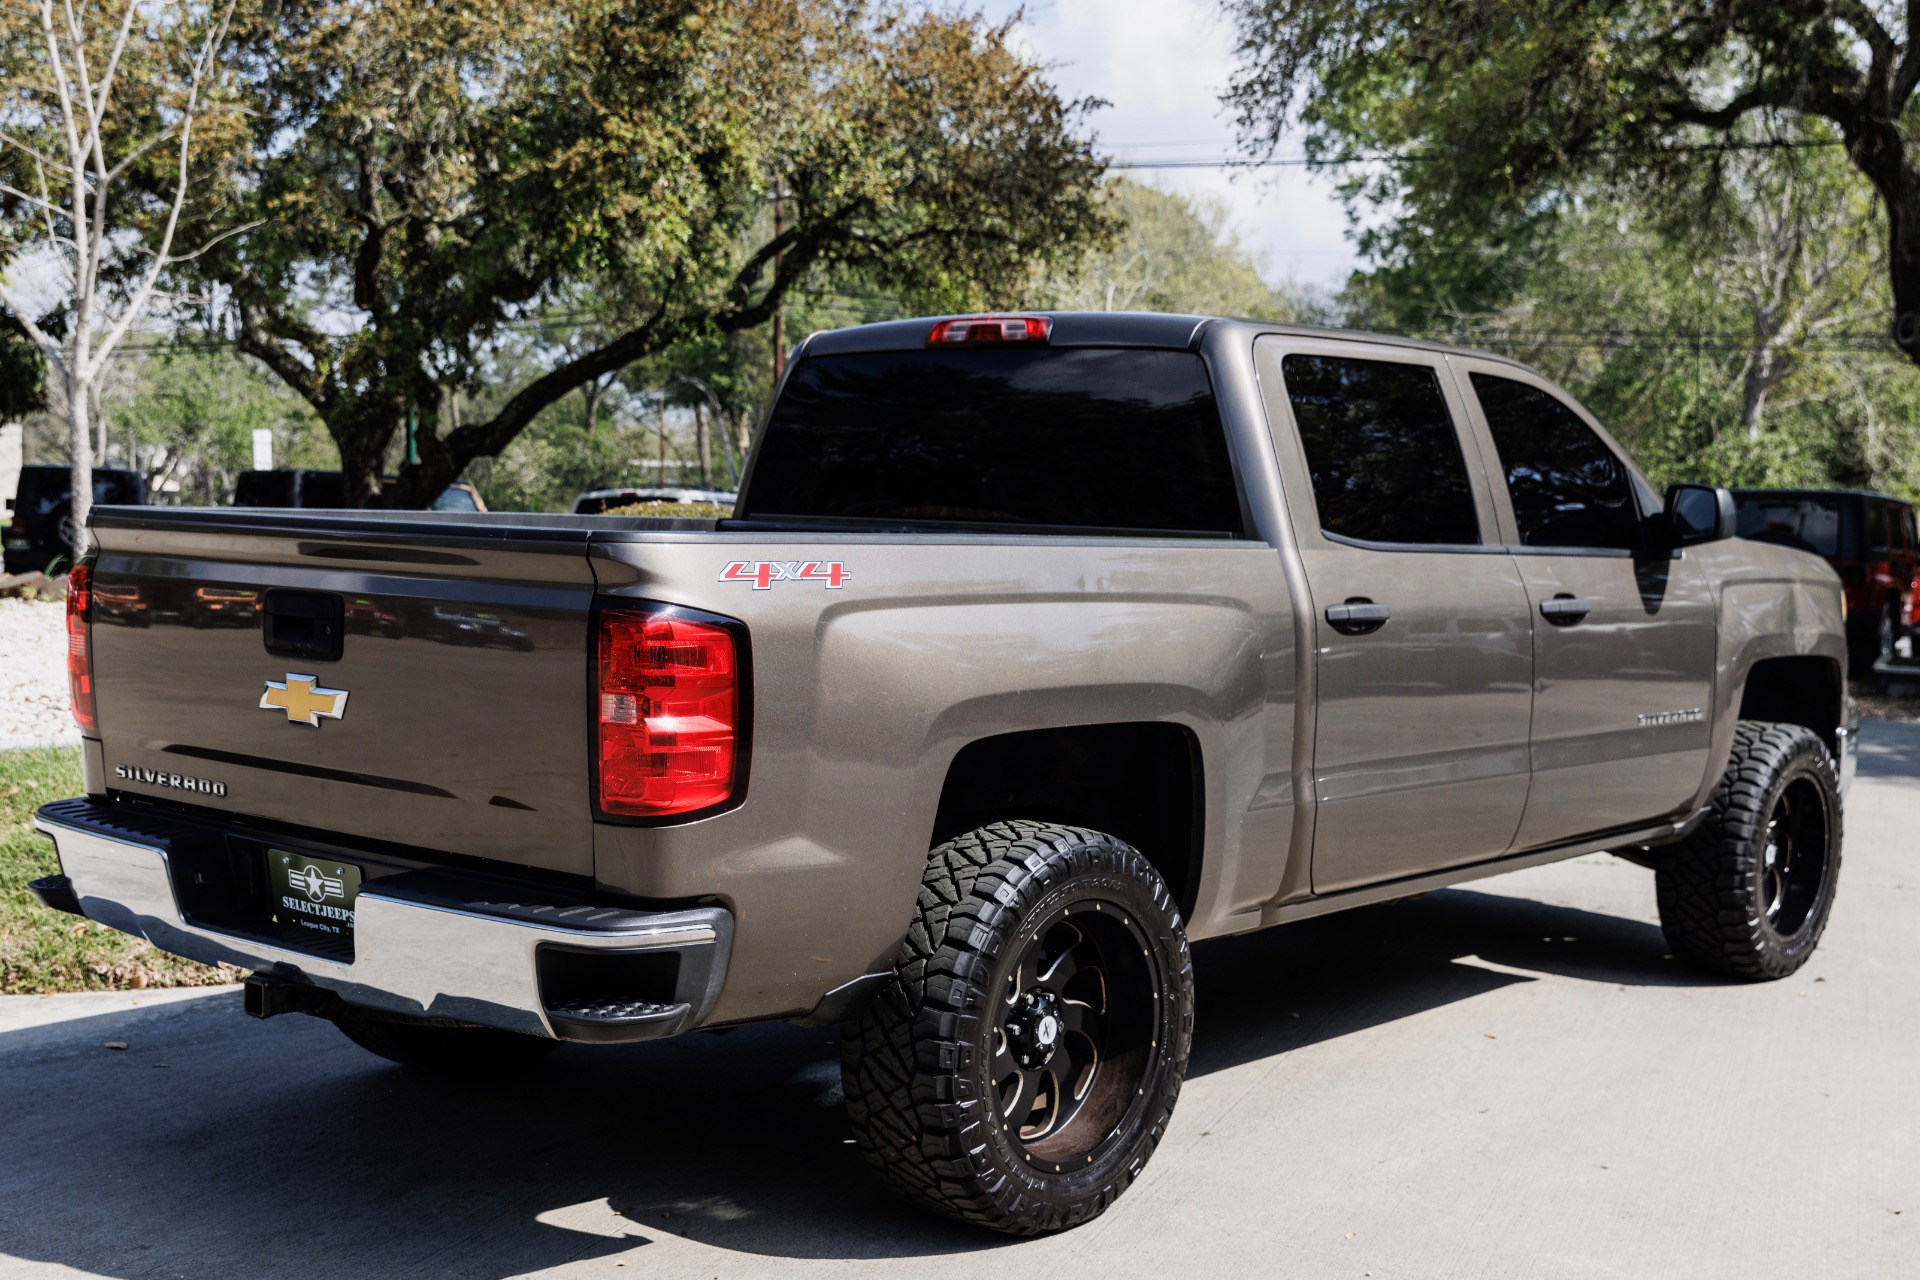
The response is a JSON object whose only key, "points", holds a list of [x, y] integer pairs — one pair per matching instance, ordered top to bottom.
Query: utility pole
{"points": [[780, 306], [663, 438]]}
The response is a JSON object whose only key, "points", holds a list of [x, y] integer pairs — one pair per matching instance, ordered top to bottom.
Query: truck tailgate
{"points": [[463, 662]]}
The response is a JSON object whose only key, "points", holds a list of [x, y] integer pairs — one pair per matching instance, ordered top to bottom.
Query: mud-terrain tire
{"points": [[1747, 895], [442, 1048], [1023, 1062]]}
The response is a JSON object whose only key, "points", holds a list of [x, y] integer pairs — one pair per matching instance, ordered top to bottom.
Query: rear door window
{"points": [[1093, 439], [1382, 451], [1568, 488], [1790, 520], [1876, 526]]}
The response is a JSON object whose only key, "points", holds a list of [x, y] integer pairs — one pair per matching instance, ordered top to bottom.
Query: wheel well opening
{"points": [[1803, 691], [1139, 782]]}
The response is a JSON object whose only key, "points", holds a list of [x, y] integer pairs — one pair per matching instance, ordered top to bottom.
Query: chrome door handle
{"points": [[1565, 609], [1357, 616]]}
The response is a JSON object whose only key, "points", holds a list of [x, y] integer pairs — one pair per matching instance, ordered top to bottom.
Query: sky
{"points": [[1163, 65]]}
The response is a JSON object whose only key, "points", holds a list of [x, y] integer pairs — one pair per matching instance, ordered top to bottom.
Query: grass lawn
{"points": [[44, 951]]}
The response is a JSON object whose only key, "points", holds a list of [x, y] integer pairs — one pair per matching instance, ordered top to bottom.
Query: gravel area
{"points": [[33, 676]]}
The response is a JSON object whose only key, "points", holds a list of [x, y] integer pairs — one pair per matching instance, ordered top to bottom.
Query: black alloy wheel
{"points": [[1794, 857], [1748, 893], [1075, 1031], [1022, 1062]]}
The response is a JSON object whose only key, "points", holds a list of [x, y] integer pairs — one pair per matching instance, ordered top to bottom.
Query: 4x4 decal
{"points": [[764, 573]]}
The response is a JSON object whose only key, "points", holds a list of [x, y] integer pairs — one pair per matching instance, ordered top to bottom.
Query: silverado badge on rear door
{"points": [[303, 701]]}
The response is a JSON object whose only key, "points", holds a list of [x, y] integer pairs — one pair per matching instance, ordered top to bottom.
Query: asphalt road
{"points": [[1510, 1079]]}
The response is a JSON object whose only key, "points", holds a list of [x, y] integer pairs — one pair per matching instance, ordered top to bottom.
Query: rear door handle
{"points": [[1564, 609], [1357, 616]]}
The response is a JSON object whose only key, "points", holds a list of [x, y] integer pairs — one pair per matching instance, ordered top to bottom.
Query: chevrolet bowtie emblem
{"points": [[303, 703]]}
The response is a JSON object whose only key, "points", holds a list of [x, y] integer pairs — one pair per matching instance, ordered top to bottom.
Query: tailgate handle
{"points": [[305, 624]]}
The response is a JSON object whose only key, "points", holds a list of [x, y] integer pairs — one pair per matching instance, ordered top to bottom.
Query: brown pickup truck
{"points": [[1036, 647]]}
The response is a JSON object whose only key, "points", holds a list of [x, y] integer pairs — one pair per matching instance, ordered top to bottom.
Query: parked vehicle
{"points": [[295, 487], [596, 501], [36, 537], [1871, 542], [1039, 647]]}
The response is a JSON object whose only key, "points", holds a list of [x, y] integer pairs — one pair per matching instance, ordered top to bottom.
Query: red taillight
{"points": [[991, 329], [79, 657], [667, 710]]}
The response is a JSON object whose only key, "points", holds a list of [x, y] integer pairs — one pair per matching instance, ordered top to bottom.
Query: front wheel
{"points": [[1748, 894], [1023, 1062]]}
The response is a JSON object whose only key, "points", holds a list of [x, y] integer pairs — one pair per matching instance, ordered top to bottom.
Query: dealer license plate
{"points": [[313, 894]]}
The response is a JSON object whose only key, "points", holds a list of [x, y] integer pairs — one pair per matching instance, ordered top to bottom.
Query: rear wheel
{"points": [[1748, 894], [443, 1048], [1022, 1064]]}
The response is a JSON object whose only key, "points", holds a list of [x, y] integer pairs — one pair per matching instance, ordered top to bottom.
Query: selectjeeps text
{"points": [[1037, 647]]}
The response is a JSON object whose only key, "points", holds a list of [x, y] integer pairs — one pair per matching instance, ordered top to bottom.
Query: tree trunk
{"points": [[1879, 149], [1763, 371], [593, 393], [363, 440], [80, 445], [706, 446]]}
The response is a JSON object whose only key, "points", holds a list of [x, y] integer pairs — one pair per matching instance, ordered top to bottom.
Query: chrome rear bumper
{"points": [[424, 944]]}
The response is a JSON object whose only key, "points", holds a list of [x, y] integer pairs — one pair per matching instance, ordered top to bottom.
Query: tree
{"points": [[1498, 108], [105, 129], [427, 174], [1172, 254], [1728, 350], [23, 373], [185, 418]]}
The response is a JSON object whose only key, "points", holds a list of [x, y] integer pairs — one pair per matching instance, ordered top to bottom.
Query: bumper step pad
{"points": [[616, 1020]]}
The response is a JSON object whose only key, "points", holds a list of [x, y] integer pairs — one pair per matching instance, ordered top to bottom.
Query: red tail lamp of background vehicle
{"points": [[997, 329], [79, 655], [668, 710]]}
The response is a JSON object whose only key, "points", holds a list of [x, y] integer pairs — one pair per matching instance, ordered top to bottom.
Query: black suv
{"points": [[36, 538]]}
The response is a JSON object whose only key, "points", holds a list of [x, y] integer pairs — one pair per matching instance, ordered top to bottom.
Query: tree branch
{"points": [[1907, 78], [228, 234], [137, 300], [44, 340], [264, 347], [464, 444]]}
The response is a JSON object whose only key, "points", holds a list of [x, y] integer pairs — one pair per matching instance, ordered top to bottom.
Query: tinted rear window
{"points": [[1116, 440], [1382, 451], [1791, 520]]}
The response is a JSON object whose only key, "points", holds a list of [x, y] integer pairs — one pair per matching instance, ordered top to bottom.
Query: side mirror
{"points": [[1699, 513]]}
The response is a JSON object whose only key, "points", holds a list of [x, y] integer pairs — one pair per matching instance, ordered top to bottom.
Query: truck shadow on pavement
{"points": [[212, 1146]]}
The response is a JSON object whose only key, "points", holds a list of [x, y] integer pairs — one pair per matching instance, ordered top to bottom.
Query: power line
{"points": [[1415, 157]]}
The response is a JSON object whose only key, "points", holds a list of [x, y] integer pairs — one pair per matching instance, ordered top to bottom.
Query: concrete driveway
{"points": [[1506, 1080]]}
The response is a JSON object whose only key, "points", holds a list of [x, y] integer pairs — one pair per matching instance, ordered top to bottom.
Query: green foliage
{"points": [[443, 170], [1647, 199], [1172, 254], [1661, 336], [23, 372], [188, 416], [681, 510], [44, 951]]}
